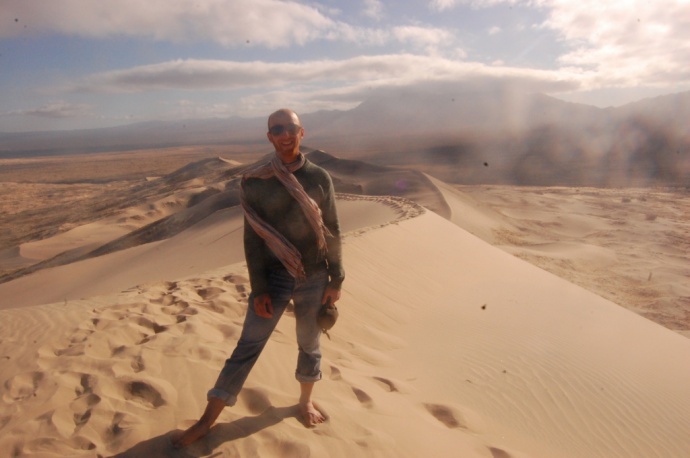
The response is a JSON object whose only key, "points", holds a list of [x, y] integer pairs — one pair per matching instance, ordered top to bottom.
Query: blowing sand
{"points": [[447, 345]]}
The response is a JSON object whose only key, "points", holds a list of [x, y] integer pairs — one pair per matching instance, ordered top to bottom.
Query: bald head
{"points": [[283, 116], [285, 132]]}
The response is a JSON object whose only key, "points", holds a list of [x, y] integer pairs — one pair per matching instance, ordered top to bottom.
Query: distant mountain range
{"points": [[498, 136]]}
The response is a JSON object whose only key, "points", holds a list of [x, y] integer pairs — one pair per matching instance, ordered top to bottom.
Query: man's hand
{"points": [[331, 293], [263, 306]]}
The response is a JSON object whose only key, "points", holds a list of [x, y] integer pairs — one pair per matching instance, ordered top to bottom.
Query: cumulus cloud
{"points": [[616, 43], [624, 44]]}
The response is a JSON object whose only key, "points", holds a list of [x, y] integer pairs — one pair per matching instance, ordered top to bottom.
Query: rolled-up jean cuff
{"points": [[307, 379], [224, 396]]}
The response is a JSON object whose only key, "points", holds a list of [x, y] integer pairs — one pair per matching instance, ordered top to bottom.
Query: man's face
{"points": [[285, 133]]}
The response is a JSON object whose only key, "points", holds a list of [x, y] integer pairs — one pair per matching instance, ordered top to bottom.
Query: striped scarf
{"points": [[286, 252]]}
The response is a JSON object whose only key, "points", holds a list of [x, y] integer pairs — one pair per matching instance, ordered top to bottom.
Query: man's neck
{"points": [[288, 159]]}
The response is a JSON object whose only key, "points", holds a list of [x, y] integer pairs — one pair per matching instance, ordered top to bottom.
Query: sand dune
{"points": [[213, 242], [628, 245], [446, 346], [473, 357]]}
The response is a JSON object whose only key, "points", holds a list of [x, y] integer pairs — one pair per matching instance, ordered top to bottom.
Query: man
{"points": [[293, 252]]}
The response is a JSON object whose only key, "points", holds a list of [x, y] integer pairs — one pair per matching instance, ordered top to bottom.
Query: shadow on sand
{"points": [[161, 447]]}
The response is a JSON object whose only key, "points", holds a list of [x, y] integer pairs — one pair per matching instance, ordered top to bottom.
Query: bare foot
{"points": [[311, 415], [200, 428], [195, 432]]}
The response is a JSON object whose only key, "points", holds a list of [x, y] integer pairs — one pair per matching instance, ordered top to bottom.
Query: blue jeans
{"points": [[307, 296]]}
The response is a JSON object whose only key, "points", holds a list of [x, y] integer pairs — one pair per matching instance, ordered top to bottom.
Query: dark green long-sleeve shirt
{"points": [[273, 203]]}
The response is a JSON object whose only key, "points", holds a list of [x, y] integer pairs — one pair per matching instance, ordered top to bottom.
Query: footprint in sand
{"points": [[240, 283], [170, 286], [210, 293], [165, 300], [214, 307], [179, 308], [151, 325], [228, 331], [80, 336], [71, 350], [137, 364], [336, 374], [86, 384], [387, 384], [22, 387], [143, 393], [363, 397], [82, 407], [446, 415], [67, 418], [115, 432], [81, 443], [498, 453]]}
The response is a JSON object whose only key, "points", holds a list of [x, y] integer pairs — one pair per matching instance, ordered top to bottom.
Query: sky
{"points": [[72, 64]]}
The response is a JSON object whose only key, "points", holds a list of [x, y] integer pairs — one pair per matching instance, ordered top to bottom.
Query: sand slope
{"points": [[213, 242], [631, 245], [446, 346]]}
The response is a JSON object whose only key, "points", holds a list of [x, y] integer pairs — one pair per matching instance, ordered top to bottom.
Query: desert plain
{"points": [[476, 320]]}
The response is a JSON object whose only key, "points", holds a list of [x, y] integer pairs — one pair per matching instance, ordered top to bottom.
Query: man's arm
{"points": [[254, 246], [254, 254], [334, 256]]}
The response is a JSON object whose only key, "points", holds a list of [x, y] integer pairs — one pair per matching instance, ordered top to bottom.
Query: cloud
{"points": [[442, 5], [373, 9], [267, 23], [271, 23], [424, 37], [616, 43], [623, 44], [369, 71], [58, 109]]}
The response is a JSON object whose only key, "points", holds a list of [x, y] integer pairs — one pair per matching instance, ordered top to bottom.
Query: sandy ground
{"points": [[630, 246], [449, 343]]}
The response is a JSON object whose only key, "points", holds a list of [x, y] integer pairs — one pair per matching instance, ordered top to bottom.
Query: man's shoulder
{"points": [[314, 170], [253, 185]]}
